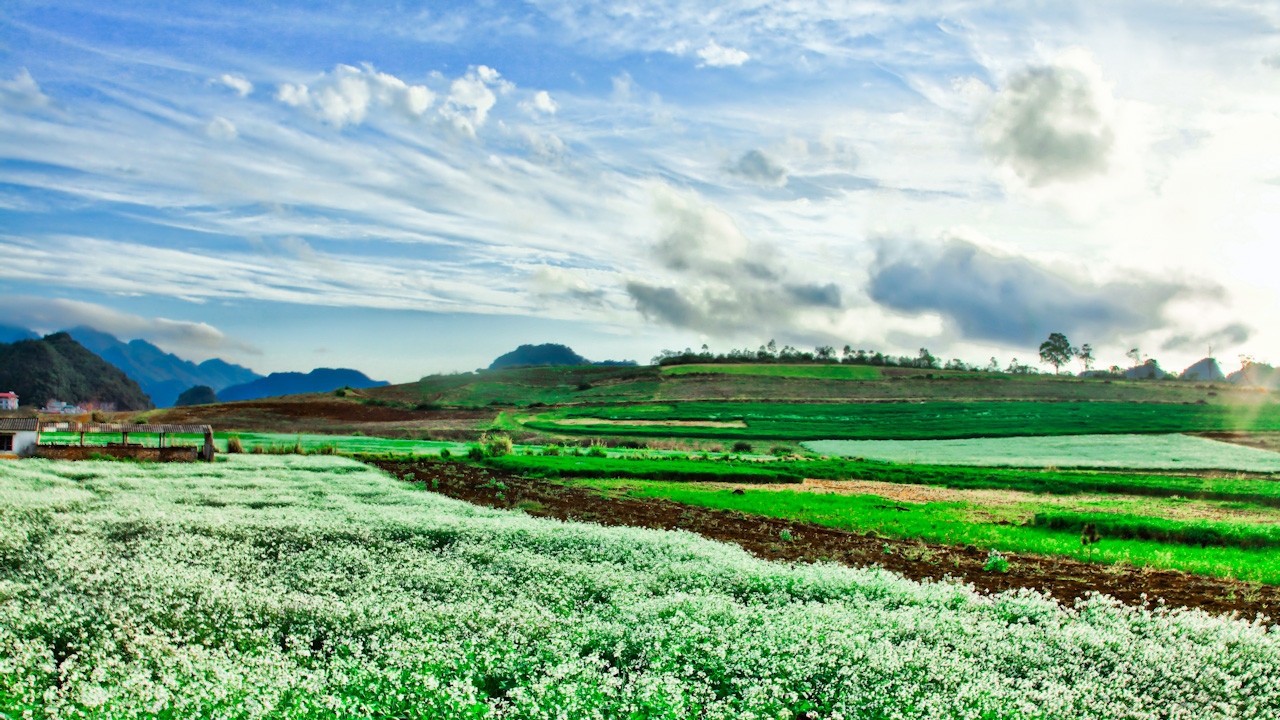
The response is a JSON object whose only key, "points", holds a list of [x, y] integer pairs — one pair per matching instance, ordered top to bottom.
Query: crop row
{"points": [[911, 421]]}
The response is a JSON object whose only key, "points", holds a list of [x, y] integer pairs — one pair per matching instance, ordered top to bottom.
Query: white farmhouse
{"points": [[8, 401], [18, 436]]}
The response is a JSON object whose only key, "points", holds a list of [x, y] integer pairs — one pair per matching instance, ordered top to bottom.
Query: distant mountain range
{"points": [[11, 334], [547, 354], [59, 368], [163, 376], [293, 383]]}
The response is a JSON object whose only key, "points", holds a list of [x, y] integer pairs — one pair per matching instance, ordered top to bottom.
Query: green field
{"points": [[824, 372], [909, 421], [1163, 452], [679, 467], [1249, 555], [316, 587]]}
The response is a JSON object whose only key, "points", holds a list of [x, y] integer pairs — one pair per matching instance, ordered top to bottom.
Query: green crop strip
{"points": [[911, 421], [678, 470], [1256, 491], [959, 523], [1202, 533]]}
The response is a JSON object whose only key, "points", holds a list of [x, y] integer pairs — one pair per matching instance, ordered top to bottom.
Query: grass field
{"points": [[825, 372], [910, 421], [1165, 452], [1243, 551], [316, 587]]}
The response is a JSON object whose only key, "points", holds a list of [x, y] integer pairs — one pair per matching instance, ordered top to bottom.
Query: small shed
{"points": [[18, 436]]}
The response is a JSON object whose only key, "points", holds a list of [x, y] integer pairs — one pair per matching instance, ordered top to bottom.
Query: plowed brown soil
{"points": [[327, 414], [1064, 579]]}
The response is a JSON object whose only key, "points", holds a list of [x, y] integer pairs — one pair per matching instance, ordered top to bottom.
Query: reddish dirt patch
{"points": [[324, 414], [1260, 440], [1063, 578]]}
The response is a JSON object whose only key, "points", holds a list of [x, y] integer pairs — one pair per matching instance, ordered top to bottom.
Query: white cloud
{"points": [[715, 55], [238, 83], [22, 92], [346, 96], [471, 98], [540, 103], [1052, 123], [221, 128], [53, 314]]}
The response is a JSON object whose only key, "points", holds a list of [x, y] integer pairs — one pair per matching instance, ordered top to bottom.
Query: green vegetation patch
{"points": [[824, 372], [911, 421], [1164, 452], [682, 470], [964, 523], [1128, 527], [317, 587]]}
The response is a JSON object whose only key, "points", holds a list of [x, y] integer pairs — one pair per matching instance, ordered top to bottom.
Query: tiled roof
{"points": [[19, 424], [55, 426]]}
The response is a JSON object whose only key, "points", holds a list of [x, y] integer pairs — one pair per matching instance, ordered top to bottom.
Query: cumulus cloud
{"points": [[715, 55], [1272, 61], [238, 83], [22, 92], [347, 95], [471, 97], [540, 104], [1050, 124], [221, 128], [759, 168], [726, 283], [1012, 299], [49, 315], [1231, 335]]}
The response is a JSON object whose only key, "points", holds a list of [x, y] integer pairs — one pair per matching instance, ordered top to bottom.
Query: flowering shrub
{"points": [[996, 562], [316, 587]]}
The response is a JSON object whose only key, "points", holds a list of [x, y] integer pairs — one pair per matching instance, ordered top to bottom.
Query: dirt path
{"points": [[1063, 578]]}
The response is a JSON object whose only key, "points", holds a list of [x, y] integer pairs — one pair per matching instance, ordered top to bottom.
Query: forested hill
{"points": [[59, 368], [293, 383]]}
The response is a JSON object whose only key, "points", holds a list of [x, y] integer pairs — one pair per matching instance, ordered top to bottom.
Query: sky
{"points": [[416, 189]]}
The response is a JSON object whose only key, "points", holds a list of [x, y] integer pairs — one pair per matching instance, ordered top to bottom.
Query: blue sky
{"points": [[422, 188]]}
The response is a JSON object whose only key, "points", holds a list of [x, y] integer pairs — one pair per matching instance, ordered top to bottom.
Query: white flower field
{"points": [[317, 587]]}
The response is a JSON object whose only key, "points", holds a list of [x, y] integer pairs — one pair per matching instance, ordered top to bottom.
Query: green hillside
{"points": [[58, 367], [810, 383]]}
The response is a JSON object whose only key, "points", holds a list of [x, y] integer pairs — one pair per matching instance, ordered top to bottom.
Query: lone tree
{"points": [[1057, 351], [1086, 357]]}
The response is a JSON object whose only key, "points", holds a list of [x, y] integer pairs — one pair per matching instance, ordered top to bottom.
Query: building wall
{"points": [[24, 444]]}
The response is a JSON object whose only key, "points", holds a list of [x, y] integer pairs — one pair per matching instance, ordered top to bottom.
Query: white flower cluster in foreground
{"points": [[292, 587]]}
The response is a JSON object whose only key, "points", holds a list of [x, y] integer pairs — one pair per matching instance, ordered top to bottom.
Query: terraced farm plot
{"points": [[824, 372], [909, 421], [1152, 452], [316, 587]]}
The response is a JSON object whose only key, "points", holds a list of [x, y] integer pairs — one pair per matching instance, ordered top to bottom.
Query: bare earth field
{"points": [[1064, 579]]}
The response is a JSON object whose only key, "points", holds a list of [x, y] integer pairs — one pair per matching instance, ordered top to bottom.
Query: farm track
{"points": [[1063, 578]]}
